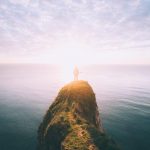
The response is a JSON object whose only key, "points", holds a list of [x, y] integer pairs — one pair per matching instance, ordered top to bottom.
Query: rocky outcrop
{"points": [[73, 122]]}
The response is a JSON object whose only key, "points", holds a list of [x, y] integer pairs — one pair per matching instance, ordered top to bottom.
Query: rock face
{"points": [[73, 122]]}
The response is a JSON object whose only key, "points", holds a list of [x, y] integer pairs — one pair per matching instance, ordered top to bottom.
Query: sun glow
{"points": [[70, 53], [68, 64], [67, 72]]}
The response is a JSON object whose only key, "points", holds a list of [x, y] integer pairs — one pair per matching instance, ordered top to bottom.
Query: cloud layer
{"points": [[38, 31]]}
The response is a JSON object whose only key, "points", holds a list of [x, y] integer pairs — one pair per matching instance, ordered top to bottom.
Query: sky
{"points": [[75, 31]]}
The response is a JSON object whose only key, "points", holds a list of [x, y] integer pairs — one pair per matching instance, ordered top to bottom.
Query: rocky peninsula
{"points": [[73, 122]]}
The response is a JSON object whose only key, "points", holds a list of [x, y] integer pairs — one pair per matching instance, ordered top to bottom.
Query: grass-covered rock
{"points": [[73, 122]]}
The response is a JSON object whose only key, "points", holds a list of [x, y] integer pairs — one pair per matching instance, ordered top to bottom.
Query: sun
{"points": [[68, 53], [67, 72]]}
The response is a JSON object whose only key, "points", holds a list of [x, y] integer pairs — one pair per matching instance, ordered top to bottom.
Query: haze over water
{"points": [[122, 93]]}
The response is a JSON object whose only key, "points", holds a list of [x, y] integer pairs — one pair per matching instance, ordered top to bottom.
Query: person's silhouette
{"points": [[76, 73]]}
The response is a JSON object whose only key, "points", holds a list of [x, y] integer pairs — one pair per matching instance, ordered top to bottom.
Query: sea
{"points": [[122, 94]]}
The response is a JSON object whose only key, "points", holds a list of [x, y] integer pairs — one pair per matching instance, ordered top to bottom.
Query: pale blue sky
{"points": [[87, 31]]}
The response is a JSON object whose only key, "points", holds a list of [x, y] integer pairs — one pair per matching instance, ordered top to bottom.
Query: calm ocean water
{"points": [[122, 92]]}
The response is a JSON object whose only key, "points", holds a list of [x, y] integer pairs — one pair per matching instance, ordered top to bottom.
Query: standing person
{"points": [[76, 73]]}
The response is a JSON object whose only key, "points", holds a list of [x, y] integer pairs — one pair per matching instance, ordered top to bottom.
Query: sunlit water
{"points": [[122, 92]]}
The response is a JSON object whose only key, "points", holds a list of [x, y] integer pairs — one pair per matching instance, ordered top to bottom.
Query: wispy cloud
{"points": [[35, 27]]}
